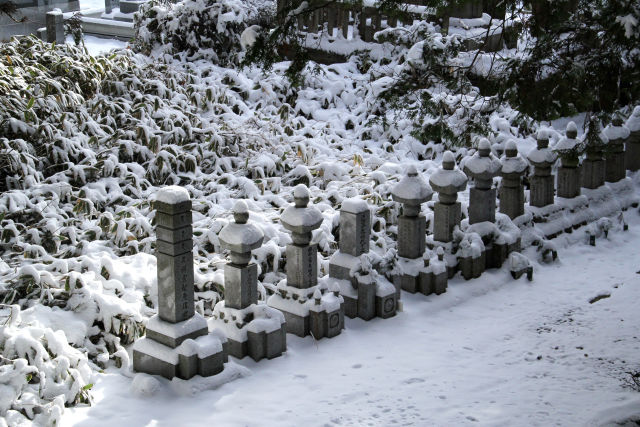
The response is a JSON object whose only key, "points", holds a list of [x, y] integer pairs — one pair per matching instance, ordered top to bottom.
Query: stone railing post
{"points": [[617, 133], [632, 144], [569, 149], [483, 166], [541, 183], [412, 190], [512, 190], [447, 214], [366, 294], [297, 298], [251, 330], [177, 342]]}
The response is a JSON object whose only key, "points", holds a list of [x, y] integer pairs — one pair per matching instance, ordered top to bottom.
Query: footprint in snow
{"points": [[357, 366], [414, 380]]}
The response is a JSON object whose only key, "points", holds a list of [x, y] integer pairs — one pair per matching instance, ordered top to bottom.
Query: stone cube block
{"points": [[130, 6], [614, 166], [592, 173], [568, 182], [541, 191], [512, 201], [482, 205], [172, 208], [445, 218], [173, 221], [355, 232], [170, 235], [411, 236], [174, 249], [495, 254], [302, 266], [408, 282], [425, 283], [440, 283], [240, 285], [175, 287], [366, 300], [386, 306], [350, 307], [325, 324], [296, 325], [174, 334], [266, 344], [211, 365]]}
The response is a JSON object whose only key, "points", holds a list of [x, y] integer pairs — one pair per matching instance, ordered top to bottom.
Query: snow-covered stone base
{"points": [[366, 293], [312, 311], [257, 331], [202, 356]]}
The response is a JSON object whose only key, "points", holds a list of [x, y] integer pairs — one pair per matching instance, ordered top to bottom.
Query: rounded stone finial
{"points": [[571, 130], [543, 135], [484, 147], [511, 150], [448, 160], [412, 171], [301, 196], [240, 212], [440, 253]]}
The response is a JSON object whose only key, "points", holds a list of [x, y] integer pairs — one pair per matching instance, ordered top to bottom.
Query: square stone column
{"points": [[55, 26], [632, 151], [593, 172], [568, 182], [541, 192], [482, 205], [445, 218], [355, 230]]}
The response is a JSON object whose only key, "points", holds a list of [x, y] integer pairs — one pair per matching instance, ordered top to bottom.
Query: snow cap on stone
{"points": [[633, 122], [571, 127], [616, 132], [543, 133], [512, 162], [483, 164], [448, 179], [412, 188], [301, 191], [172, 195], [354, 205]]}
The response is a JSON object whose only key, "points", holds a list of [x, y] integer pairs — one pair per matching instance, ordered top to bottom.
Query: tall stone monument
{"points": [[617, 133], [632, 144], [569, 150], [593, 164], [483, 166], [542, 181], [412, 190], [512, 190], [447, 214], [366, 294], [309, 307], [252, 329], [177, 342]]}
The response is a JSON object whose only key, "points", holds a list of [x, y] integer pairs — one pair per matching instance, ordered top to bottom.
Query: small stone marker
{"points": [[54, 22], [617, 133], [632, 144], [569, 150], [482, 167], [593, 174], [447, 181], [542, 181], [412, 190], [512, 190], [366, 294], [296, 298], [252, 329], [177, 342]]}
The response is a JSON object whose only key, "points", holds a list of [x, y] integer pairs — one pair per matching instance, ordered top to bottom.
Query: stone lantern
{"points": [[617, 133], [632, 145], [569, 150], [482, 167], [447, 181], [542, 181], [412, 190], [512, 190], [296, 299], [252, 329]]}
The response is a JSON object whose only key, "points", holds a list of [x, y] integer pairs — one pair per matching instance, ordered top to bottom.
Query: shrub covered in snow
{"points": [[199, 28]]}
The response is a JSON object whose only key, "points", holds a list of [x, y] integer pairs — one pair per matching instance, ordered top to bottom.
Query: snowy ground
{"points": [[491, 351]]}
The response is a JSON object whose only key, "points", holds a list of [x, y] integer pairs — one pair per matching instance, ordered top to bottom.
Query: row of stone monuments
{"points": [[181, 343]]}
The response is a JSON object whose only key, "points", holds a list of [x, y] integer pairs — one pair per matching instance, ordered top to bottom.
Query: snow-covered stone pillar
{"points": [[54, 22], [617, 133], [632, 144], [569, 150], [593, 164], [483, 166], [541, 183], [412, 190], [512, 190], [447, 214], [366, 294], [307, 307], [251, 329], [177, 342]]}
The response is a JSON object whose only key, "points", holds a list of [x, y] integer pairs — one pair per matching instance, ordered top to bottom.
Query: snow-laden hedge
{"points": [[200, 28]]}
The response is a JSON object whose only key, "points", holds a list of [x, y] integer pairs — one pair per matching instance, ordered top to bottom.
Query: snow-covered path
{"points": [[491, 351]]}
